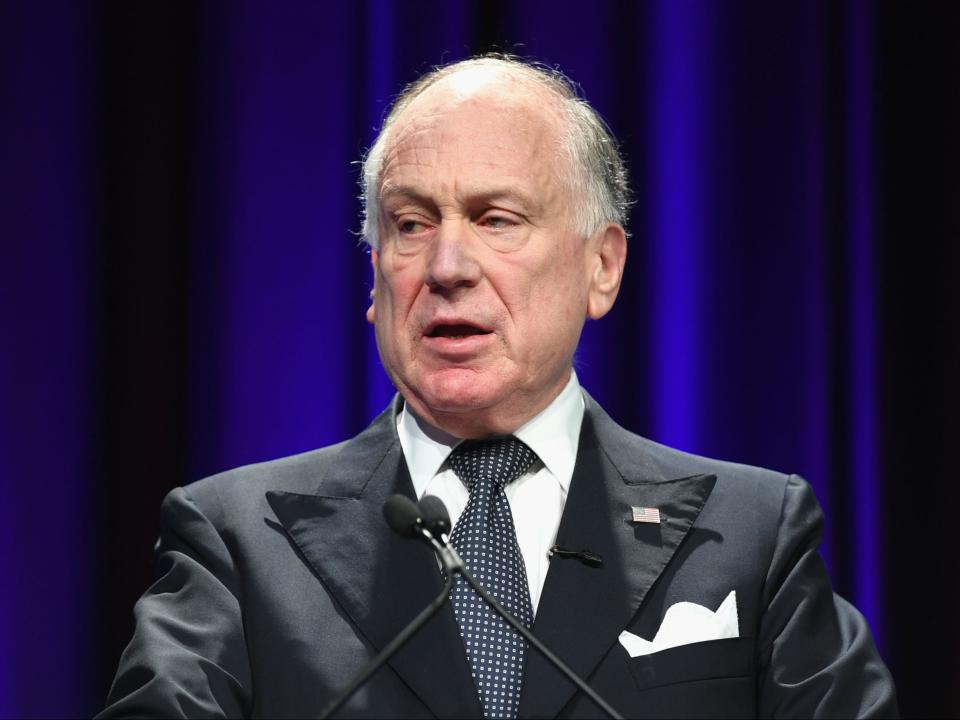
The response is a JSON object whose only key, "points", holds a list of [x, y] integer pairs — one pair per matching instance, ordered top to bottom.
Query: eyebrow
{"points": [[403, 191], [481, 194]]}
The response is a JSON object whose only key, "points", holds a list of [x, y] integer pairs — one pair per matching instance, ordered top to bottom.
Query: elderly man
{"points": [[495, 204]]}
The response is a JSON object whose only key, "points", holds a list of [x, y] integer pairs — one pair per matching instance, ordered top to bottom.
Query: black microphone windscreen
{"points": [[402, 515], [435, 515]]}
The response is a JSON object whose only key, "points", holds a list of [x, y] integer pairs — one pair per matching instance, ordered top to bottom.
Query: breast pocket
{"points": [[709, 660]]}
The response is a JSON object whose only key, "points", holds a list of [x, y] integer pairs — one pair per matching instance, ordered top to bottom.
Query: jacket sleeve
{"points": [[188, 655], [816, 655]]}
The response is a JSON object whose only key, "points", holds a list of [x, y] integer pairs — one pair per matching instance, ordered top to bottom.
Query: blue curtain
{"points": [[184, 291]]}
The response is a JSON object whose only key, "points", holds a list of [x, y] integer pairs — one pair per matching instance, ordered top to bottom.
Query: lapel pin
{"points": [[646, 515]]}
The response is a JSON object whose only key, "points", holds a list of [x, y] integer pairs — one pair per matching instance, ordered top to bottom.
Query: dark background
{"points": [[182, 290]]}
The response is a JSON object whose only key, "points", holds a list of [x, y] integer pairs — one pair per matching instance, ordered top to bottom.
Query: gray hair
{"points": [[598, 174]]}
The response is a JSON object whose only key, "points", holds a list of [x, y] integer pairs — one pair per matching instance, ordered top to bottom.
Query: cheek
{"points": [[558, 287], [397, 288], [548, 307]]}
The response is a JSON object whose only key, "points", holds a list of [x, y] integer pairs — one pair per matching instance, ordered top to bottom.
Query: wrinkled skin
{"points": [[481, 283]]}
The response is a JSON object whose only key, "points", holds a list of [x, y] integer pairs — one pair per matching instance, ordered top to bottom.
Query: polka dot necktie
{"points": [[487, 542]]}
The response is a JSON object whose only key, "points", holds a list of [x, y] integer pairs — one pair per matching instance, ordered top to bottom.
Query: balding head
{"points": [[596, 177], [488, 254]]}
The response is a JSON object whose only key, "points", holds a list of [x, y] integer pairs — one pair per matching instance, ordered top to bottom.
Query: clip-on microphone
{"points": [[430, 522]]}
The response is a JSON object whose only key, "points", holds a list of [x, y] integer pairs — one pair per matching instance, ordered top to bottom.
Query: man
{"points": [[495, 206]]}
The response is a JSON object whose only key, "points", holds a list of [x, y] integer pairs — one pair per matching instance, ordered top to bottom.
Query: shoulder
{"points": [[641, 460], [301, 473], [241, 492], [235, 502]]}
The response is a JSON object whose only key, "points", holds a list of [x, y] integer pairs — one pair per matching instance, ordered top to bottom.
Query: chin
{"points": [[460, 390]]}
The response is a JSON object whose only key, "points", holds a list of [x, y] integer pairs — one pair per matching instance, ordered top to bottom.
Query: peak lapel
{"points": [[380, 580], [583, 609]]}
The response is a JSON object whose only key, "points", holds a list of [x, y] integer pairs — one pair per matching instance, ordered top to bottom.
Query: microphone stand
{"points": [[452, 565], [388, 651]]}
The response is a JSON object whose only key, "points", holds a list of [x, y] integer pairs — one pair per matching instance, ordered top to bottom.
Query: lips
{"points": [[454, 329], [457, 340]]}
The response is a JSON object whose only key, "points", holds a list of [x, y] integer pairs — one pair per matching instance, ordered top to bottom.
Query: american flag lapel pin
{"points": [[646, 515]]}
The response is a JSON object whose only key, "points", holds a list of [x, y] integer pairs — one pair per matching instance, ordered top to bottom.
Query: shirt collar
{"points": [[553, 434]]}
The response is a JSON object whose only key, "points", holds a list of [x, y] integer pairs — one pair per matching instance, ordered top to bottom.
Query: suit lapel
{"points": [[380, 580], [583, 609]]}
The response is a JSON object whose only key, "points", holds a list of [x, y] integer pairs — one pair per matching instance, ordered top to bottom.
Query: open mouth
{"points": [[456, 331]]}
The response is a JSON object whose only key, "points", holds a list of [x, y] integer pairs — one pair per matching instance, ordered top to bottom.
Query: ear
{"points": [[607, 256], [372, 310]]}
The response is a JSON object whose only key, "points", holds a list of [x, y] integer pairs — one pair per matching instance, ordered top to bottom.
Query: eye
{"points": [[497, 221], [411, 226], [502, 230], [413, 232]]}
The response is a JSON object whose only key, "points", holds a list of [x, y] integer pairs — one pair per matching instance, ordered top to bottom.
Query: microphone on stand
{"points": [[435, 512], [403, 516], [435, 516], [405, 519], [430, 522], [436, 522]]}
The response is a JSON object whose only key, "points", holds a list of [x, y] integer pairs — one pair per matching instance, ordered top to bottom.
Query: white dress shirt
{"points": [[536, 498]]}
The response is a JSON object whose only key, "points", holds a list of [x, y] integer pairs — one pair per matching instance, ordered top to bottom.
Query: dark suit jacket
{"points": [[278, 581]]}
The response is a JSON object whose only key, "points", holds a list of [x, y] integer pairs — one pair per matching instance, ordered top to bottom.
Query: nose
{"points": [[451, 264]]}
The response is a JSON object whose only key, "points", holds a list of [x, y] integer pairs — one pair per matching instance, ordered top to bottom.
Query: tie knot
{"points": [[500, 460]]}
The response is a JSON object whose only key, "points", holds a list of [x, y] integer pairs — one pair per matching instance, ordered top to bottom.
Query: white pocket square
{"points": [[685, 623]]}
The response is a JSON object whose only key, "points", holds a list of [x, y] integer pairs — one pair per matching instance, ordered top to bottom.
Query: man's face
{"points": [[481, 283]]}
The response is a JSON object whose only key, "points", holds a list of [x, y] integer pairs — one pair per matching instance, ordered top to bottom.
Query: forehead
{"points": [[473, 131]]}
